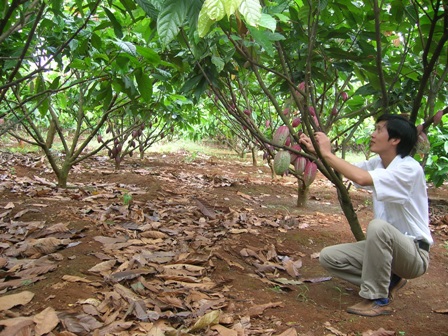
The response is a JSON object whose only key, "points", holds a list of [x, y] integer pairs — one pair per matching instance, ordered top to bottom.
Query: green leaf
{"points": [[129, 5], [231, 6], [148, 8], [214, 9], [251, 10], [171, 18], [268, 22], [204, 23], [117, 26], [96, 41], [127, 47], [149, 54], [218, 62], [78, 64], [55, 84], [144, 84], [40, 88]]}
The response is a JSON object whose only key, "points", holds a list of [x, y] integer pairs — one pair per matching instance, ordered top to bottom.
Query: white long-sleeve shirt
{"points": [[400, 196]]}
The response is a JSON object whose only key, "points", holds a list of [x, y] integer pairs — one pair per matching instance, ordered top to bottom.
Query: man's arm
{"points": [[353, 173]]}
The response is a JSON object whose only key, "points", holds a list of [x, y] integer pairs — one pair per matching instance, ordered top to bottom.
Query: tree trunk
{"points": [[51, 134], [254, 156], [62, 175], [302, 194], [350, 214]]}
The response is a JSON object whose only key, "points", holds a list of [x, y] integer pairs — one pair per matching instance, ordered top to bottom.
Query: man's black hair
{"points": [[399, 127]]}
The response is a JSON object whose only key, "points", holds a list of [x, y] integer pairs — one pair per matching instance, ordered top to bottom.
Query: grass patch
{"points": [[195, 148]]}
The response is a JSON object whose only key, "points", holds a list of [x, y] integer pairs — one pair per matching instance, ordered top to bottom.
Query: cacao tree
{"points": [[355, 60], [68, 67]]}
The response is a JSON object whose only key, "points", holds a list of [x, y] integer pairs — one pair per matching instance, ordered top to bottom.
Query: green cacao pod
{"points": [[282, 159]]}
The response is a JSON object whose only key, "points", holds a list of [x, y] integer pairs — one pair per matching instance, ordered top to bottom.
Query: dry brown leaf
{"points": [[10, 205], [205, 210], [21, 213], [154, 234], [46, 245], [103, 266], [292, 267], [184, 269], [35, 271], [129, 275], [74, 278], [183, 278], [16, 283], [204, 285], [171, 300], [9, 301], [259, 309], [441, 311], [15, 321], [45, 321], [206, 321], [79, 324], [22, 326], [115, 328], [333, 330], [223, 331], [289, 332], [379, 332]]}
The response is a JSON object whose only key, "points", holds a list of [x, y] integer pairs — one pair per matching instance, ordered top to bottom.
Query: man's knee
{"points": [[377, 227], [324, 257]]}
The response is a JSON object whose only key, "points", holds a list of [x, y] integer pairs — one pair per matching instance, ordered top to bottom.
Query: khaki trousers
{"points": [[370, 263]]}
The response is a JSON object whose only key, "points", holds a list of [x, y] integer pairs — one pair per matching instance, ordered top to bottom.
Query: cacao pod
{"points": [[301, 86], [344, 96], [286, 111], [312, 111], [334, 111], [247, 112], [438, 117], [296, 122], [268, 123], [419, 128], [280, 135], [99, 138], [288, 141], [423, 144], [114, 152], [294, 155], [282, 159], [300, 164], [310, 173]]}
